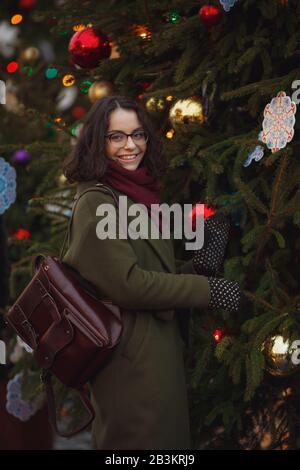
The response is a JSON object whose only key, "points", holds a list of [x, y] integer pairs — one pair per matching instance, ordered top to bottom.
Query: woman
{"points": [[140, 397]]}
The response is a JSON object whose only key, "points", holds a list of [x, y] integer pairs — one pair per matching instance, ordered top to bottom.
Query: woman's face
{"points": [[128, 152]]}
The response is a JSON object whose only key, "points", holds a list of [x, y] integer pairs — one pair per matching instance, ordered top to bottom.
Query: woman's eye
{"points": [[138, 135], [116, 137]]}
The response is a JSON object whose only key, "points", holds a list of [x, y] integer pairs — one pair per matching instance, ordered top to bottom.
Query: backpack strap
{"points": [[98, 187], [46, 377]]}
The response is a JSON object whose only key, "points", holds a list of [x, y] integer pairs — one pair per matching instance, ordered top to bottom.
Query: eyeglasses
{"points": [[120, 138]]}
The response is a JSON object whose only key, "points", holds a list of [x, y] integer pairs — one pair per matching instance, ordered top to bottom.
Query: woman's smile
{"points": [[129, 157]]}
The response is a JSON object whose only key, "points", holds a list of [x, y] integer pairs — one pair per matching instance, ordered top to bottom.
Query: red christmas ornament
{"points": [[27, 4], [210, 15], [52, 21], [88, 46], [144, 85], [78, 112], [208, 211], [21, 234], [218, 335]]}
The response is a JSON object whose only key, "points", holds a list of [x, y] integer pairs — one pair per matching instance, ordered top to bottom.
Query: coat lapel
{"points": [[162, 248]]}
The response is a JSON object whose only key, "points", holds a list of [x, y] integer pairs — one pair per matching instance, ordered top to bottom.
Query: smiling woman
{"points": [[100, 141], [126, 141], [140, 395]]}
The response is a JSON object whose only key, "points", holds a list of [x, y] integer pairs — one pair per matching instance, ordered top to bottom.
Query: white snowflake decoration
{"points": [[227, 4], [8, 38], [66, 98], [279, 121], [256, 155], [7, 185], [16, 405]]}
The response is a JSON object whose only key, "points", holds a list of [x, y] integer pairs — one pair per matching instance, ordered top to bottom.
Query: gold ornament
{"points": [[115, 52], [30, 55], [68, 80], [99, 89], [13, 104], [155, 105], [187, 111], [170, 134], [61, 180], [281, 356]]}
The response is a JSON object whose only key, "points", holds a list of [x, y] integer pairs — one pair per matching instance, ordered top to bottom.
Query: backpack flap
{"points": [[34, 311], [56, 338]]}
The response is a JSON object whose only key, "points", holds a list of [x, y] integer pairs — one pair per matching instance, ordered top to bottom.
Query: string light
{"points": [[174, 17], [16, 19], [79, 27], [142, 31], [12, 67], [28, 70], [51, 72], [68, 80], [85, 86], [197, 211], [21, 234], [218, 335]]}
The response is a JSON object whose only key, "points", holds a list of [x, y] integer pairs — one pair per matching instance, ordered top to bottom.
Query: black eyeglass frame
{"points": [[107, 136]]}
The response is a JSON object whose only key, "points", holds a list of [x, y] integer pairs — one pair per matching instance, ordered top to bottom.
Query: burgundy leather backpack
{"points": [[71, 331]]}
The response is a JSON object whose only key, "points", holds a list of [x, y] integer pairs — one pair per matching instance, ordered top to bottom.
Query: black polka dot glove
{"points": [[209, 259], [225, 294]]}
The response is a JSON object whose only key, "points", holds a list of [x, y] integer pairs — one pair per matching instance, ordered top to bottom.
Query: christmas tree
{"points": [[220, 81]]}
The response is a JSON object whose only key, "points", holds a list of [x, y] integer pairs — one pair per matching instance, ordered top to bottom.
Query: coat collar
{"points": [[163, 248]]}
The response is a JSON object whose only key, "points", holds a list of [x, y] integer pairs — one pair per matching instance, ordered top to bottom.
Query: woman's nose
{"points": [[130, 143]]}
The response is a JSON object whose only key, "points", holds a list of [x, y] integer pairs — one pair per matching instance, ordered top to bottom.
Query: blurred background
{"points": [[220, 80]]}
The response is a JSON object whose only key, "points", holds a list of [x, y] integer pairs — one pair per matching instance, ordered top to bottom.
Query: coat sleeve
{"points": [[112, 267], [184, 267]]}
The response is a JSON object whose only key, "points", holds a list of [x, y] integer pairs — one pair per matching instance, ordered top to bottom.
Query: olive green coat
{"points": [[140, 397]]}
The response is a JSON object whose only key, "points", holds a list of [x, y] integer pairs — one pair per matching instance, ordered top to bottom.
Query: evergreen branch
{"points": [[265, 87], [276, 186], [250, 197], [262, 302], [222, 347], [201, 364]]}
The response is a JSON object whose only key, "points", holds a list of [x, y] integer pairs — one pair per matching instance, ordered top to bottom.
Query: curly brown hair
{"points": [[88, 159]]}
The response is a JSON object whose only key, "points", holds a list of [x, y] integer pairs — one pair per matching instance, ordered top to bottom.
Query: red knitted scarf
{"points": [[137, 184]]}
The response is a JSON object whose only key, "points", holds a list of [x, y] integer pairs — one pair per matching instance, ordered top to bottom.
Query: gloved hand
{"points": [[209, 259], [225, 294]]}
